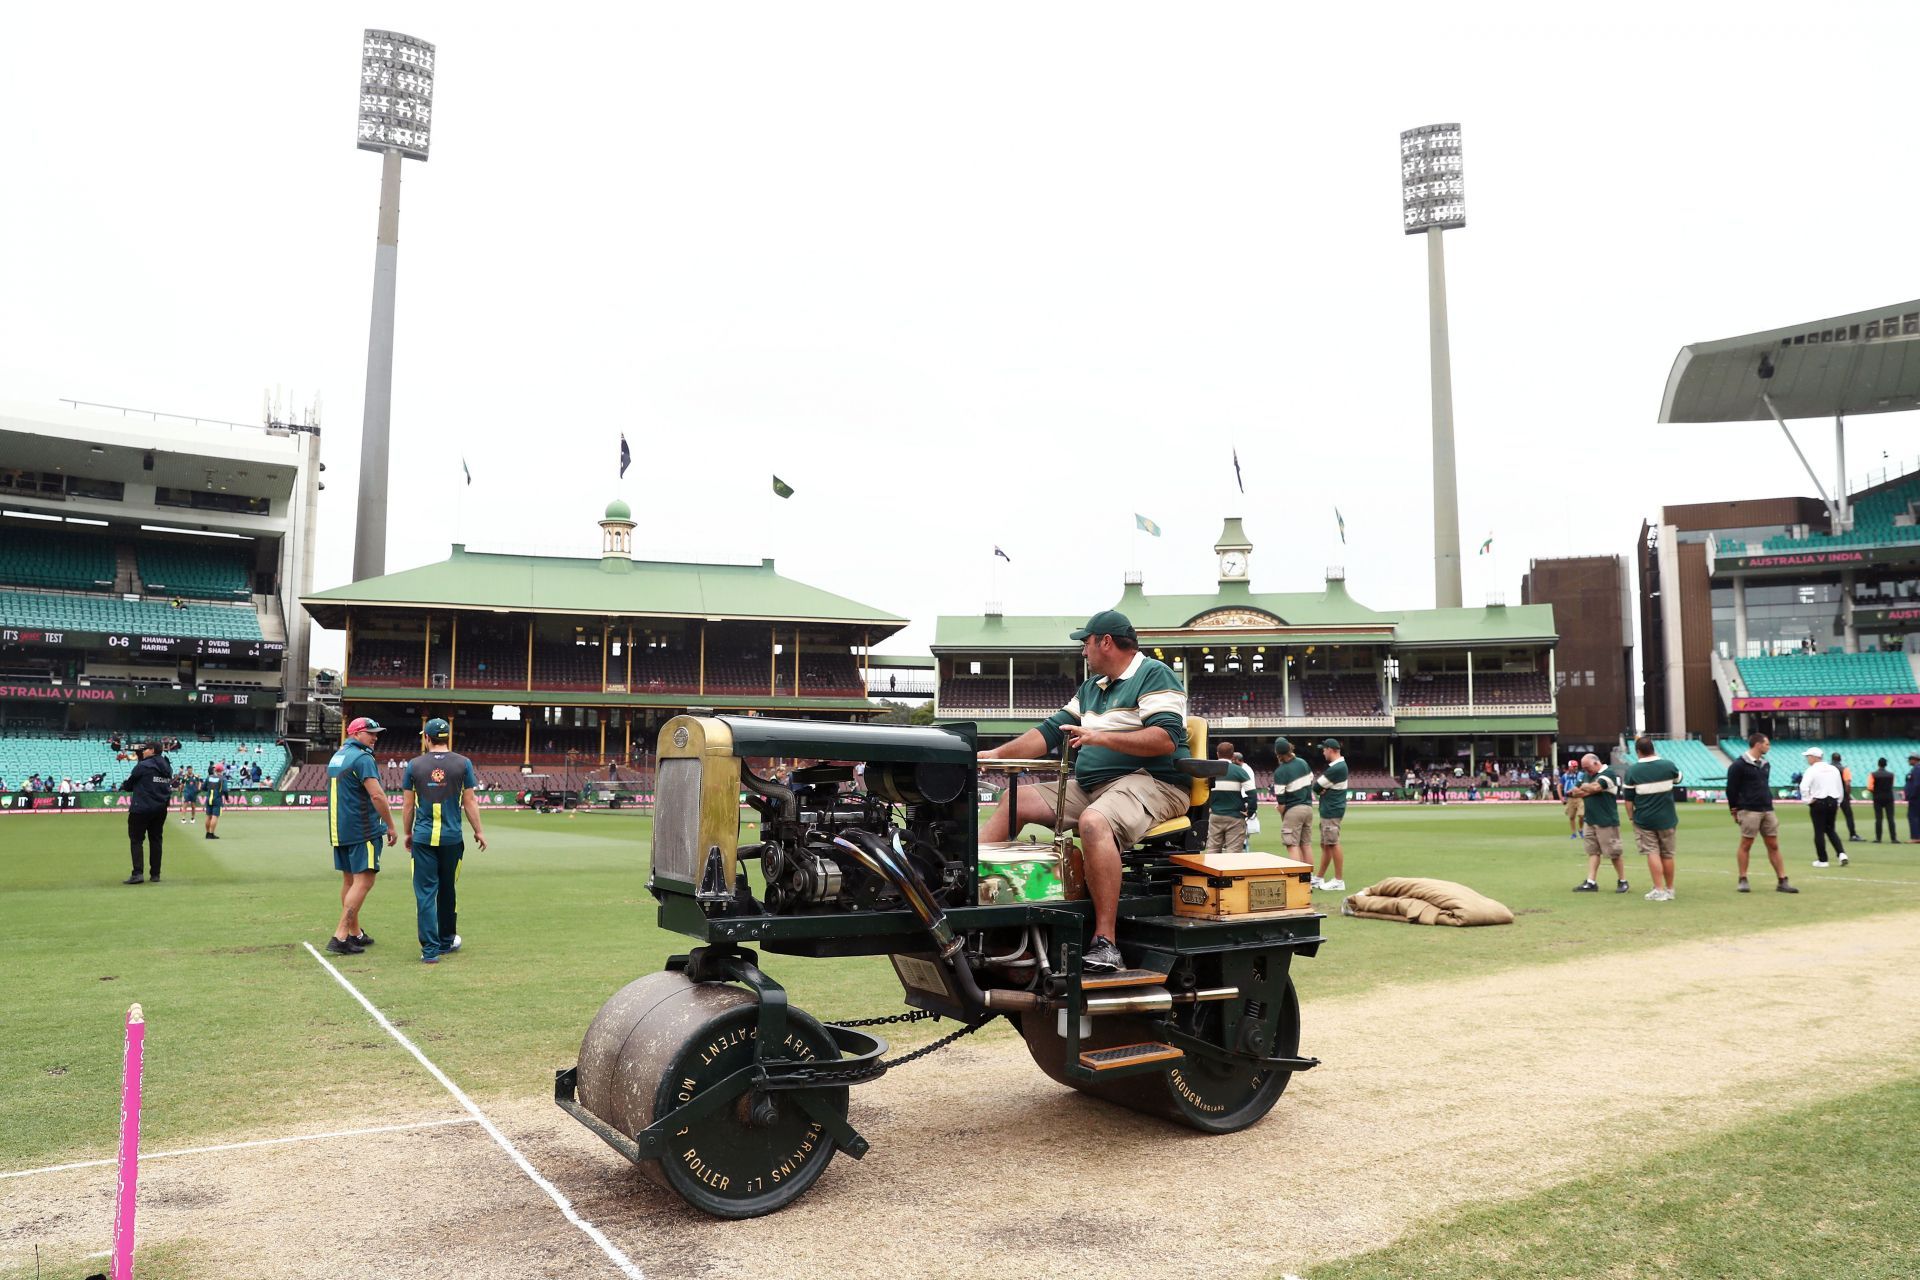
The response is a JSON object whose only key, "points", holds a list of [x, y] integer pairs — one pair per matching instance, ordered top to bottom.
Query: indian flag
{"points": [[1145, 525], [1487, 546]]}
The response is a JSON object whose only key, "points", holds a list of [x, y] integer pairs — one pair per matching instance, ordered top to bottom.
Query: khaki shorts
{"points": [[1133, 805], [1576, 808], [1758, 822], [1296, 826], [1329, 831], [1227, 835], [1603, 842], [1662, 843]]}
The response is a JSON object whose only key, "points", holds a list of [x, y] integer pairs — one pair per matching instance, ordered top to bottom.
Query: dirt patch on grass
{"points": [[1433, 1096]]}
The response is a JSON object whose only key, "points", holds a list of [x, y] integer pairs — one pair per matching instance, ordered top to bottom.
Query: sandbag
{"points": [[1418, 901]]}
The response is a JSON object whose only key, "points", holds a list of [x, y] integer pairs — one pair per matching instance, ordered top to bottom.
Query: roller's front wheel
{"points": [[660, 1043]]}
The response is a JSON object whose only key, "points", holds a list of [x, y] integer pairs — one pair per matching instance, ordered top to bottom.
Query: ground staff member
{"points": [[1128, 728], [151, 786], [1332, 786], [438, 787], [1820, 787], [1880, 787], [1648, 791], [1599, 795], [1233, 796], [1293, 796], [1913, 797], [216, 798], [1750, 800], [358, 820]]}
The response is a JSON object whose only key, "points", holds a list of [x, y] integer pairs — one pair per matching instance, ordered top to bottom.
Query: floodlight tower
{"points": [[396, 114], [1433, 198]]}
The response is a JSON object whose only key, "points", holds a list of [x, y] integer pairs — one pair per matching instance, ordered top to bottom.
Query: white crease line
{"points": [[1842, 878], [240, 1146], [593, 1233]]}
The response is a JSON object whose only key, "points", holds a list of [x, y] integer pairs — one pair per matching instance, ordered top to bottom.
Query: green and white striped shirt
{"points": [[1146, 695]]}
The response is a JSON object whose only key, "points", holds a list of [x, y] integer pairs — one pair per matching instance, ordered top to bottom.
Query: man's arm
{"points": [[1151, 740], [1031, 745], [378, 795], [471, 807], [406, 808]]}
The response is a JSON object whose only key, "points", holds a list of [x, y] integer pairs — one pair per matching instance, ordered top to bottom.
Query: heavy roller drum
{"points": [[663, 1039], [1215, 1092]]}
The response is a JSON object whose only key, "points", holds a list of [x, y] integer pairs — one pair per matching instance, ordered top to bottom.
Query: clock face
{"points": [[1233, 564]]}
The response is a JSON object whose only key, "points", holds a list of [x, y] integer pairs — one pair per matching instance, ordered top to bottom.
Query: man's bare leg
{"points": [[1035, 806], [1100, 854], [1740, 855], [1773, 856], [1666, 865], [1593, 866], [1619, 868], [1654, 870], [356, 893]]}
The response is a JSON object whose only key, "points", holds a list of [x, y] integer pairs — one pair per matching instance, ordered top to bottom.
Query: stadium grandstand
{"points": [[147, 563], [1792, 616], [557, 672], [1399, 689]]}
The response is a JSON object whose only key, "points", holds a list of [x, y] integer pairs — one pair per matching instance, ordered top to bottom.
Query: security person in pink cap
{"points": [[358, 821]]}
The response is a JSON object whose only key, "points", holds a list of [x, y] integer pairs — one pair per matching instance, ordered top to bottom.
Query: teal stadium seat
{"points": [[1873, 525], [63, 562], [182, 569], [135, 617], [1801, 675], [47, 753], [1788, 756], [1698, 766]]}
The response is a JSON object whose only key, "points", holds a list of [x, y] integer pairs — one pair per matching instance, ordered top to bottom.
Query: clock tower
{"points": [[1234, 551]]}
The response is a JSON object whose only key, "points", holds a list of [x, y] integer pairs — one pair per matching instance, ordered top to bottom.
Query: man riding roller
{"points": [[1127, 726]]}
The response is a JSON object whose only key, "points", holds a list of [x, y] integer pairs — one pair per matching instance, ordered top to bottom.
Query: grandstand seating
{"points": [[1873, 525], [63, 561], [188, 569], [137, 617], [395, 663], [481, 664], [566, 666], [1826, 674], [1490, 689], [989, 693], [1238, 694], [1336, 696], [51, 753], [1788, 756], [1698, 766]]}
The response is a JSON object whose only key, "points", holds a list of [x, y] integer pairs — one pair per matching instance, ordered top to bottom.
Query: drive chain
{"points": [[828, 1075]]}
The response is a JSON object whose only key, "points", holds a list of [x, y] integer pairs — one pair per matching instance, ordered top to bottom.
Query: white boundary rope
{"points": [[241, 1146], [593, 1233]]}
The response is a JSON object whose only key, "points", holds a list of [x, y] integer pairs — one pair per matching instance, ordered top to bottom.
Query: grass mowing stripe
{"points": [[1814, 1193], [593, 1233]]}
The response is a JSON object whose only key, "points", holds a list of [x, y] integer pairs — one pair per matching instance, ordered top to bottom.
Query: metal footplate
{"points": [[1128, 1055]]}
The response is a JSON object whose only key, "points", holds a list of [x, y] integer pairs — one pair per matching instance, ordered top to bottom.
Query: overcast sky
{"points": [[967, 275]]}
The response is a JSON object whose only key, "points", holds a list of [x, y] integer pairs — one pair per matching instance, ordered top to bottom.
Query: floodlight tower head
{"points": [[396, 94], [1432, 182]]}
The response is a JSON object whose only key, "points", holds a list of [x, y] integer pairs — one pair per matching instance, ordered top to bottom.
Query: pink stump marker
{"points": [[126, 1193]]}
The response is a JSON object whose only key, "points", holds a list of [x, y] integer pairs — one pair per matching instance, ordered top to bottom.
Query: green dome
{"points": [[618, 510]]}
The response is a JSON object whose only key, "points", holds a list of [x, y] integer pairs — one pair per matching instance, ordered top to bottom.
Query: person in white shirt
{"points": [[1820, 787]]}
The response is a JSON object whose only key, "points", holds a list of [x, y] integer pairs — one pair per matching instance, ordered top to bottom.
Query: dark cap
{"points": [[1107, 622], [437, 728], [1330, 744], [1281, 746]]}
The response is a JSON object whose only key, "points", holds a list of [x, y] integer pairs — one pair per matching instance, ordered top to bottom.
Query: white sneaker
{"points": [[1843, 859], [1821, 863], [1315, 882], [1334, 886], [1656, 895], [455, 944]]}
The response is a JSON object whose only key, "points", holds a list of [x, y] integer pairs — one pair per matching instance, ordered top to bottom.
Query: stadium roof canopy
{"points": [[1867, 362], [488, 582]]}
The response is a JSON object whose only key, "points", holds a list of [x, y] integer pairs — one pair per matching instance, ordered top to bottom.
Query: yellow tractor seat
{"points": [[1201, 771], [1172, 826]]}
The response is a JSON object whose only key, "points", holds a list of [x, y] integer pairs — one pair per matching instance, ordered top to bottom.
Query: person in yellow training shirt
{"points": [[438, 788]]}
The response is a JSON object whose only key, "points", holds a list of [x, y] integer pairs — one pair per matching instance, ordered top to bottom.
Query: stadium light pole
{"points": [[396, 116], [1432, 200]]}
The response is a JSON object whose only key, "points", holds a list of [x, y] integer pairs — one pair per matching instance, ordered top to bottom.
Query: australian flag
{"points": [[626, 456]]}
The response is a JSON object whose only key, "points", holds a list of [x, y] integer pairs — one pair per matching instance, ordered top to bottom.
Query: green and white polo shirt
{"points": [[1146, 694], [1293, 784], [1649, 785], [1332, 786], [1231, 793], [1601, 809]]}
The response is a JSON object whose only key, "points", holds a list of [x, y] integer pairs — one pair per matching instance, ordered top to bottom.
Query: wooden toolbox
{"points": [[1217, 886]]}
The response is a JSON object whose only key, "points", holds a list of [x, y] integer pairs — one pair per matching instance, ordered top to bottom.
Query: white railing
{"points": [[1477, 709]]}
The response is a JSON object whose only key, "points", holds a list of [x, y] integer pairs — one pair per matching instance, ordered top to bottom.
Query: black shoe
{"points": [[212, 836], [135, 878], [154, 878], [1586, 886], [1621, 887], [1784, 887], [361, 939], [343, 947], [1101, 957]]}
